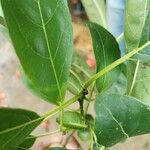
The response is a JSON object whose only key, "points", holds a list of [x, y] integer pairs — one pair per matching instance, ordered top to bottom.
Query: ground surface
{"points": [[15, 94]]}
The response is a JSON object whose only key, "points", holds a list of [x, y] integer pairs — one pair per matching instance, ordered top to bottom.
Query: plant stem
{"points": [[120, 37], [113, 65], [135, 76], [92, 79], [90, 98], [66, 104], [44, 134], [67, 138]]}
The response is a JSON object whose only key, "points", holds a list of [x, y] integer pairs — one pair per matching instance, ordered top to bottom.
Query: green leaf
{"points": [[95, 10], [137, 32], [41, 33], [106, 51], [139, 81], [120, 85], [119, 117], [73, 120], [16, 125], [84, 135], [29, 141]]}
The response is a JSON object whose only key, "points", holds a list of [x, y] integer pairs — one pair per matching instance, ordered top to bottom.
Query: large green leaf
{"points": [[95, 10], [41, 33], [137, 33], [106, 51], [119, 117], [16, 125]]}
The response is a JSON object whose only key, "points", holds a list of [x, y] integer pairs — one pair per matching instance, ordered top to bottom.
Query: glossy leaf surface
{"points": [[41, 33], [106, 51], [119, 117], [16, 125]]}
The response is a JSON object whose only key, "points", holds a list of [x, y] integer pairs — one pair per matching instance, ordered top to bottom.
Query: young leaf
{"points": [[95, 10], [41, 33], [106, 51], [119, 117], [16, 125], [29, 141]]}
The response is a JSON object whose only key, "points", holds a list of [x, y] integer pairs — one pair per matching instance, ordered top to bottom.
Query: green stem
{"points": [[120, 37], [113, 65], [135, 76], [92, 79], [90, 98], [58, 109], [45, 134]]}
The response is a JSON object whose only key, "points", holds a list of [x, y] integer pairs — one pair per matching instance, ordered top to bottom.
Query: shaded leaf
{"points": [[95, 10], [137, 32], [41, 33], [106, 51], [80, 68], [141, 83], [120, 85], [119, 117], [16, 125], [84, 135], [29, 141]]}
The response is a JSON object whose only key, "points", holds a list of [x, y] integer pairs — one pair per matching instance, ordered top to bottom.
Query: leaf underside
{"points": [[41, 33]]}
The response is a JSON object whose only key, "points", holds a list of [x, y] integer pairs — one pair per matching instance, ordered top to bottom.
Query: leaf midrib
{"points": [[49, 50]]}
